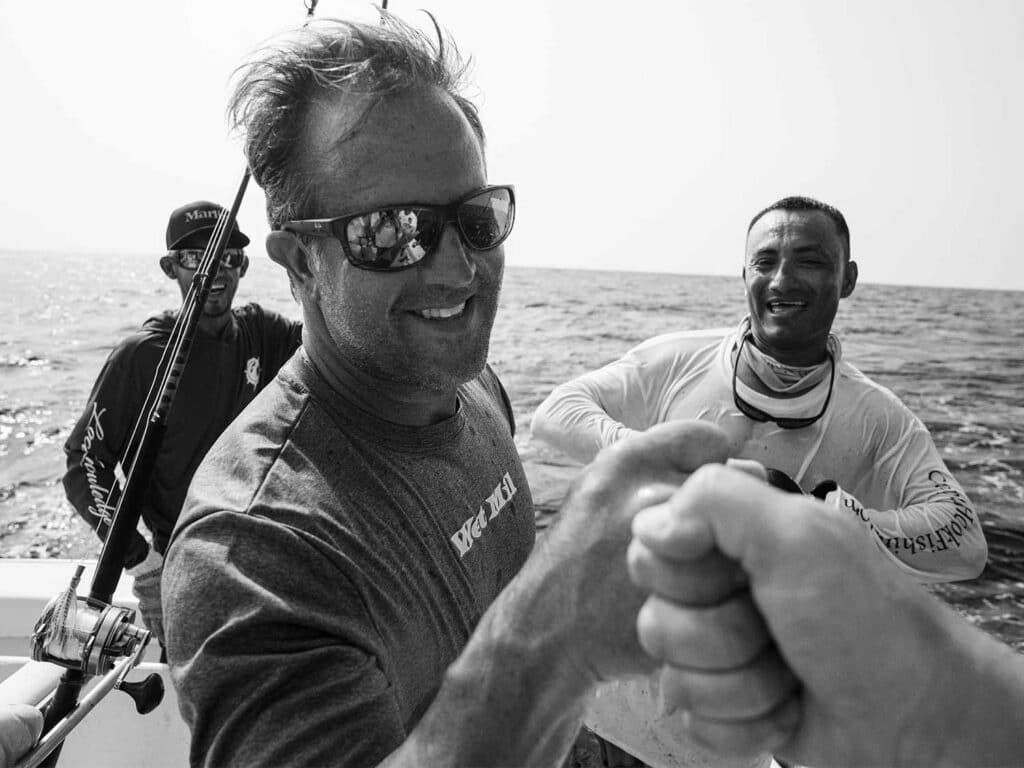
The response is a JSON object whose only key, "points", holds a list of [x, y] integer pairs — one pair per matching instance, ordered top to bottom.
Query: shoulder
{"points": [[252, 314], [269, 334], [683, 341], [144, 346], [677, 347], [871, 400], [248, 454], [269, 476], [243, 565]]}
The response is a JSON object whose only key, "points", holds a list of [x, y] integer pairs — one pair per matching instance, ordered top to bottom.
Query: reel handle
{"points": [[147, 694]]}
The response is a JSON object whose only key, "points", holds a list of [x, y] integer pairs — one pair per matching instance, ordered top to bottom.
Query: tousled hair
{"points": [[276, 87], [799, 203]]}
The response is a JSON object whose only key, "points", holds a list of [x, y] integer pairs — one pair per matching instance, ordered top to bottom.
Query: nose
{"points": [[451, 265], [785, 272]]}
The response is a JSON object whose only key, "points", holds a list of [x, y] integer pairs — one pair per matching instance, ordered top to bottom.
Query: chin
{"points": [[216, 311], [446, 374], [445, 380]]}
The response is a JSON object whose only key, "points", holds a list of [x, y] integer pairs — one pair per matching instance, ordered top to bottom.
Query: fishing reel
{"points": [[92, 637]]}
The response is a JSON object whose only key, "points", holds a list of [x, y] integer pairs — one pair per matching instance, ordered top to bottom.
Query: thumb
{"points": [[679, 446], [740, 515]]}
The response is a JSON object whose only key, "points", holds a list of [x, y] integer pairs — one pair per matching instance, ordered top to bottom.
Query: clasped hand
{"points": [[591, 588], [828, 655]]}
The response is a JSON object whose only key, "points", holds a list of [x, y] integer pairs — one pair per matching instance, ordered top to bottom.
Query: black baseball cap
{"points": [[200, 216]]}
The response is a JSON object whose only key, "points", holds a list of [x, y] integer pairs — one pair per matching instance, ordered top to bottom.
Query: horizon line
{"points": [[7, 250]]}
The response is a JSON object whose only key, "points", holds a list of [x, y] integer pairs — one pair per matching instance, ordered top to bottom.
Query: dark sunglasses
{"points": [[401, 235], [189, 258], [757, 414]]}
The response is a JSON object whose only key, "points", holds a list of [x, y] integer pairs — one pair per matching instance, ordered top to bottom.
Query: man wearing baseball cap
{"points": [[189, 230], [236, 351]]}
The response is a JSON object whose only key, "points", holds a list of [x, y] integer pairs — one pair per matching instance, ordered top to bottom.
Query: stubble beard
{"points": [[389, 357]]}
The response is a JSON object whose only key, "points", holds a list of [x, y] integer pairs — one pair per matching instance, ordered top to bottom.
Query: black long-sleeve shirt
{"points": [[223, 375]]}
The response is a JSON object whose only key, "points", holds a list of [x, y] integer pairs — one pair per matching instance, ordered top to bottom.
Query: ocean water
{"points": [[955, 357]]}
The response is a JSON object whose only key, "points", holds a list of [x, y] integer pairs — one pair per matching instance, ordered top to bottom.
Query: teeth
{"points": [[442, 312]]}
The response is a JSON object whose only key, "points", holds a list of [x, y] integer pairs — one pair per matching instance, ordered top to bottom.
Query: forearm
{"points": [[574, 422], [514, 696], [976, 710]]}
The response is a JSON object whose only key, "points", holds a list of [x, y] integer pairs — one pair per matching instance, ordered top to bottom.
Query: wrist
{"points": [[535, 631], [987, 678], [510, 692], [514, 692]]}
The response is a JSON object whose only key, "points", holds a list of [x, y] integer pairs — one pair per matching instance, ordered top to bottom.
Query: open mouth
{"points": [[217, 289], [777, 307], [441, 313]]}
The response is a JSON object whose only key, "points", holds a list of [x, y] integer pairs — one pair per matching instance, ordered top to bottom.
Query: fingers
{"points": [[681, 446], [751, 467], [646, 468], [653, 494], [746, 519], [672, 533], [703, 581], [721, 637], [746, 693]]}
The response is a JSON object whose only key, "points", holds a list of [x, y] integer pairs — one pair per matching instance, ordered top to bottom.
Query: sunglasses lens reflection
{"points": [[486, 220], [392, 238], [389, 239]]}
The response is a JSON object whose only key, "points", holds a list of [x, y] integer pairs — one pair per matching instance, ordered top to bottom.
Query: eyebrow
{"points": [[812, 248]]}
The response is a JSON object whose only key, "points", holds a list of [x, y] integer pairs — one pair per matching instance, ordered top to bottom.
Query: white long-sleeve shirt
{"points": [[868, 442]]}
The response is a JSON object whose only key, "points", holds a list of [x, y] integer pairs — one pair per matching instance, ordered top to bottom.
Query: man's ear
{"points": [[286, 249], [167, 265], [244, 268], [849, 279]]}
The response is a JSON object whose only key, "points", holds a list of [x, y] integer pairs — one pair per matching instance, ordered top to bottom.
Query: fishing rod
{"points": [[87, 635]]}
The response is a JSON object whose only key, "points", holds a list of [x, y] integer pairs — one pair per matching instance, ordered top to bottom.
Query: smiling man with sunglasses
{"points": [[235, 352], [780, 388], [353, 580]]}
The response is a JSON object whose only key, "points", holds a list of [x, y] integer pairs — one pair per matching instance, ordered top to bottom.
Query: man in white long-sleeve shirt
{"points": [[780, 388]]}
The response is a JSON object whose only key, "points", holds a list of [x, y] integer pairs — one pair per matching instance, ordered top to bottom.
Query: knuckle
{"points": [[706, 480], [639, 563], [650, 629]]}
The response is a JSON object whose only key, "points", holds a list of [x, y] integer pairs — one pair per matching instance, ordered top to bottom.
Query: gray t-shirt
{"points": [[328, 566]]}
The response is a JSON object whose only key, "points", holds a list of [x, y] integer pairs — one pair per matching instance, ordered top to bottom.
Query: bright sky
{"points": [[639, 136]]}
